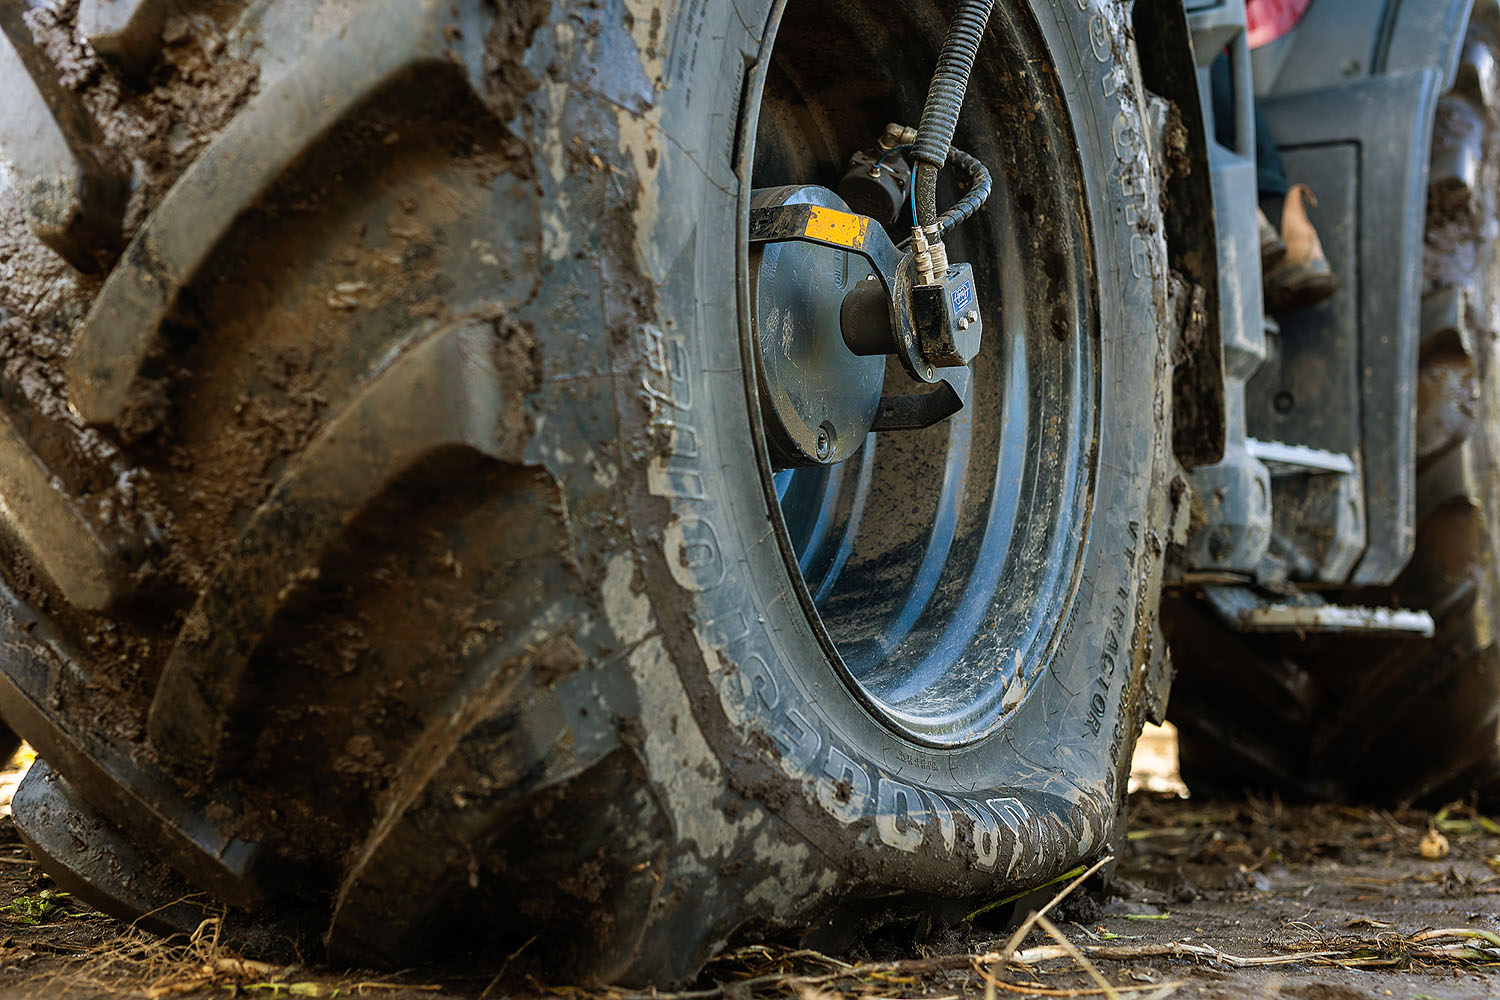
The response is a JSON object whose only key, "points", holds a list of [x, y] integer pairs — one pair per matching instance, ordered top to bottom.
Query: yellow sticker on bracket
{"points": [[829, 225]]}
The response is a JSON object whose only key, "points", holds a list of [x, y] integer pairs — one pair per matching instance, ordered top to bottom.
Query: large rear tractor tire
{"points": [[395, 553], [1377, 719]]}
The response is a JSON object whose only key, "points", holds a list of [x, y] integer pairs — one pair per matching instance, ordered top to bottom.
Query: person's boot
{"points": [[1272, 247], [1303, 277]]}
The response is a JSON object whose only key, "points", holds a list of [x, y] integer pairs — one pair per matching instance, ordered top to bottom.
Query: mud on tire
{"points": [[391, 552]]}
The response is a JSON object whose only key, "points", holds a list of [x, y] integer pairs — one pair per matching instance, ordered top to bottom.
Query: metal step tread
{"points": [[1298, 459], [1247, 611]]}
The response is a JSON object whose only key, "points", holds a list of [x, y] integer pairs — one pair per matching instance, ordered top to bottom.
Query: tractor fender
{"points": [[1168, 71]]}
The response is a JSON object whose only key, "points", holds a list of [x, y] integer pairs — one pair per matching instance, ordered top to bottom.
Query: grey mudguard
{"points": [[1344, 41], [1350, 96]]}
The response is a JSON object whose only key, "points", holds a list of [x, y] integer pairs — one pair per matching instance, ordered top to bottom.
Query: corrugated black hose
{"points": [[945, 98], [979, 190]]}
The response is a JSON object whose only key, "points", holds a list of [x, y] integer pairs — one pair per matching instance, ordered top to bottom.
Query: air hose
{"points": [[945, 98], [933, 143], [979, 190]]}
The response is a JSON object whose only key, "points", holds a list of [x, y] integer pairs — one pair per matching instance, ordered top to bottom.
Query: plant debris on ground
{"points": [[1226, 900]]}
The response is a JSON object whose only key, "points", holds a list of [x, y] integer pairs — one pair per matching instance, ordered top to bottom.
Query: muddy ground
{"points": [[1213, 899]]}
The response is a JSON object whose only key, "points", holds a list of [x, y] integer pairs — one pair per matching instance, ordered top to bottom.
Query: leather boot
{"points": [[1272, 247], [1303, 278]]}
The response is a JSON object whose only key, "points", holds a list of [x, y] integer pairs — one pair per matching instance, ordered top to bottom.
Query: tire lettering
{"points": [[1100, 38], [1113, 81], [1126, 133], [1135, 179], [1140, 256], [677, 369], [666, 383], [669, 396], [675, 474], [693, 555], [727, 630], [758, 683], [1098, 704], [799, 742], [917, 760], [844, 788], [1011, 811], [899, 816], [947, 829], [985, 834], [1047, 837]]}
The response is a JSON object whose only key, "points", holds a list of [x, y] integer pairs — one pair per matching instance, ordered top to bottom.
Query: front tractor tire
{"points": [[396, 554]]}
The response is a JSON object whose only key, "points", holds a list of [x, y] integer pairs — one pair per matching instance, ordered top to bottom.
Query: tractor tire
{"points": [[393, 553], [1393, 721]]}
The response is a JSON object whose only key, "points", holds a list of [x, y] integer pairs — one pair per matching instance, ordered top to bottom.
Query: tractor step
{"points": [[1297, 459], [1244, 610]]}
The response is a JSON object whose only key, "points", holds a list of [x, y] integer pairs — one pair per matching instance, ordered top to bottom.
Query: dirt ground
{"points": [[1214, 899]]}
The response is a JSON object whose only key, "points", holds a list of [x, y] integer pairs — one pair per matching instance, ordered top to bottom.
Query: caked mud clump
{"points": [[507, 80], [163, 123], [157, 125], [154, 126], [1455, 214]]}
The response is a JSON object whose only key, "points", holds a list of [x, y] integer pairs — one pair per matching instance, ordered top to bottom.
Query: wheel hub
{"points": [[819, 398]]}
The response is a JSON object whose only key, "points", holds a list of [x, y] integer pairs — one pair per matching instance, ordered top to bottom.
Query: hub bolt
{"points": [[825, 443]]}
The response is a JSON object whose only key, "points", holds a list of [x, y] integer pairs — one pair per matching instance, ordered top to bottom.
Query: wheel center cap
{"points": [[818, 397]]}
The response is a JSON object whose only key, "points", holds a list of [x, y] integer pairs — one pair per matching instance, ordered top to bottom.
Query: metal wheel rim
{"points": [[939, 567]]}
